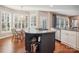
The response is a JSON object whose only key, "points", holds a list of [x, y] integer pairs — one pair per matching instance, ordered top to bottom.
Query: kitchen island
{"points": [[45, 40]]}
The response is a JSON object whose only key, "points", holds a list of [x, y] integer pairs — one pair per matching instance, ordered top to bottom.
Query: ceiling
{"points": [[70, 10]]}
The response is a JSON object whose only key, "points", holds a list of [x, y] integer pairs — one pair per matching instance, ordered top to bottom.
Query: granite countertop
{"points": [[71, 30], [45, 31]]}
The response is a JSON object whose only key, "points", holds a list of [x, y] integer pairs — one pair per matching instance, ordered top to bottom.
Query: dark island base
{"points": [[46, 44]]}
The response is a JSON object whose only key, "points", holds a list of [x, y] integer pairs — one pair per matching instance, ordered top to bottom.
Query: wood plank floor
{"points": [[7, 46], [61, 48]]}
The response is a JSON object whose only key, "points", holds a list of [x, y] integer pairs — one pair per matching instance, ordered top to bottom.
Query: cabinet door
{"points": [[57, 35], [63, 37], [68, 38], [72, 39], [78, 40], [47, 44]]}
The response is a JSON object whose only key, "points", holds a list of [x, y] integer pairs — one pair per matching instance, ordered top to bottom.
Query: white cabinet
{"points": [[58, 35], [64, 37], [68, 38], [72, 39], [77, 40]]}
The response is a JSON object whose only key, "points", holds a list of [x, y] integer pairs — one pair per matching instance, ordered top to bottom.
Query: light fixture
{"points": [[51, 5], [21, 7], [22, 16]]}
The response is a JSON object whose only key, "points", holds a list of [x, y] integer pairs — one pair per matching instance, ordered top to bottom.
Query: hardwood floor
{"points": [[7, 46], [61, 48]]}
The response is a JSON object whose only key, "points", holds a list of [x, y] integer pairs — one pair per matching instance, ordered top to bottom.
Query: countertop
{"points": [[38, 32]]}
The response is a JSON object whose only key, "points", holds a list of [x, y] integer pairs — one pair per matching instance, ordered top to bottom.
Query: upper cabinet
{"points": [[75, 23]]}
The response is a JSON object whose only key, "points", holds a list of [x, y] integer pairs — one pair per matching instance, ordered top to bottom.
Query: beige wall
{"points": [[50, 20]]}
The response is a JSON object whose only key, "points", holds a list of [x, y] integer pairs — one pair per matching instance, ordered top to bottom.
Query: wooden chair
{"points": [[22, 35], [16, 36]]}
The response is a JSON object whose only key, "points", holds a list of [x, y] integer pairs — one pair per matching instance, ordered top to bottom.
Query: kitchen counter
{"points": [[71, 30], [39, 32]]}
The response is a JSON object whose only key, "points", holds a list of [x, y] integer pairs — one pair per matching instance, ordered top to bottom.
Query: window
{"points": [[16, 20], [5, 21], [10, 21], [20, 22], [26, 22], [43, 22], [57, 22], [62, 22], [23, 24]]}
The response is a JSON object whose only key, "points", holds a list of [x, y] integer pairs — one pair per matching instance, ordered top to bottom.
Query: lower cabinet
{"points": [[58, 35], [64, 37], [69, 38], [72, 39], [77, 40]]}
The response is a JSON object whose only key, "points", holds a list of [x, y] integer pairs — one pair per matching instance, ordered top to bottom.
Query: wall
{"points": [[29, 13]]}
